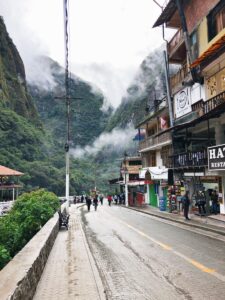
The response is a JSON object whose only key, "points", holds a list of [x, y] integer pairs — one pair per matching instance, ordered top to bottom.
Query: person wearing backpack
{"points": [[186, 204]]}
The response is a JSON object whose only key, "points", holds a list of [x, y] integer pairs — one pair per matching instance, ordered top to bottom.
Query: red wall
{"points": [[196, 10]]}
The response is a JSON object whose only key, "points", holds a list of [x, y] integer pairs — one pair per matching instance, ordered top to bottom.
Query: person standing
{"points": [[214, 198], [101, 199], [186, 204]]}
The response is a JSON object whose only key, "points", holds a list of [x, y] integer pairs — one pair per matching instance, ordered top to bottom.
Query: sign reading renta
{"points": [[216, 157]]}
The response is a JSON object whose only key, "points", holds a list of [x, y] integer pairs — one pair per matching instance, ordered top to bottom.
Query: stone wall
{"points": [[19, 278]]}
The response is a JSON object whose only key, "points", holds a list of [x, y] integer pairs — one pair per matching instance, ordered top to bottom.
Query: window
{"points": [[216, 20], [194, 45], [135, 163]]}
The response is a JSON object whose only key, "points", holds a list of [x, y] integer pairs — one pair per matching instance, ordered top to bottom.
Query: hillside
{"points": [[148, 85], [13, 87], [88, 119], [32, 130]]}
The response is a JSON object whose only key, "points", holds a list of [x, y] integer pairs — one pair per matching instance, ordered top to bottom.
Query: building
{"points": [[198, 93], [155, 151], [133, 185]]}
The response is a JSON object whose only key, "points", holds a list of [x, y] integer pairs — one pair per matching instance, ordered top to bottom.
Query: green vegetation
{"points": [[29, 213]]}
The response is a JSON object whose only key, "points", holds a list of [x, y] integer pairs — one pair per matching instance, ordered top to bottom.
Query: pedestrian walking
{"points": [[101, 199], [109, 199], [88, 202], [95, 202], [186, 204]]}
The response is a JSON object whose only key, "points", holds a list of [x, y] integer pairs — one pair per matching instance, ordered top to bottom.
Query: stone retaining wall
{"points": [[19, 278]]}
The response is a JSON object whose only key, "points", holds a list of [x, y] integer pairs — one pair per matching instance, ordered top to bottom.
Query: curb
{"points": [[206, 228]]}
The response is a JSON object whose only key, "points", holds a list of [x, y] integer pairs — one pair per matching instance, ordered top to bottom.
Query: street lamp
{"points": [[125, 172], [126, 185]]}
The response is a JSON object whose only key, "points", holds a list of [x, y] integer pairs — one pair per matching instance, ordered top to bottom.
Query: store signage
{"points": [[182, 103], [216, 157], [193, 174]]}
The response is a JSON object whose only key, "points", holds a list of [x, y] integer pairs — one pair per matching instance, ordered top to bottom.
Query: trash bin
{"points": [[162, 203]]}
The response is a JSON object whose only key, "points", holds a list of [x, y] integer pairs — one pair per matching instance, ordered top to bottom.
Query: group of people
{"points": [[116, 198], [93, 200], [200, 202]]}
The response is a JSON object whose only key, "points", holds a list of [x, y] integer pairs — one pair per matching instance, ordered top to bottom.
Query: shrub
{"points": [[28, 214]]}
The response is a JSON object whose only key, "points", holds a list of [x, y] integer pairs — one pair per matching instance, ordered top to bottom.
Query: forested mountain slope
{"points": [[148, 85]]}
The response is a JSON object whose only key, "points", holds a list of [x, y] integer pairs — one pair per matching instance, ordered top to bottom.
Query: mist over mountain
{"points": [[148, 85], [88, 112], [33, 121]]}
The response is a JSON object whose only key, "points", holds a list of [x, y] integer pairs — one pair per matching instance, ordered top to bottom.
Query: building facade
{"points": [[198, 93]]}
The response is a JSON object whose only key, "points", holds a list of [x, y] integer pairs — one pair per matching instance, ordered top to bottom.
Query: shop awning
{"points": [[210, 52], [156, 173]]}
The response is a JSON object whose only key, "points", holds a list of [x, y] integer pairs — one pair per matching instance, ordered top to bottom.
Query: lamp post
{"points": [[67, 98], [125, 172], [126, 185]]}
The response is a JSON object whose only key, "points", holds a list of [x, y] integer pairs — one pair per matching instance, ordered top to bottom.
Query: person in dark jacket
{"points": [[214, 198], [95, 201], [88, 202], [186, 204]]}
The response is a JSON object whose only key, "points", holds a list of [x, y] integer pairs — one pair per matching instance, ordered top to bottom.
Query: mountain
{"points": [[148, 85], [13, 88], [88, 119], [33, 121], [33, 130]]}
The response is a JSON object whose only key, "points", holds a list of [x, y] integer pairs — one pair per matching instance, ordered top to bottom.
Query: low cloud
{"points": [[112, 81], [118, 139]]}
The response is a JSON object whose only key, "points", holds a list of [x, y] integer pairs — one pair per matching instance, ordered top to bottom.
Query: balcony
{"points": [[176, 48], [178, 78], [205, 107], [157, 142], [191, 159]]}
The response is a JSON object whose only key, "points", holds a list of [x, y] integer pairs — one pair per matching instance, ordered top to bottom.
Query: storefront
{"points": [[216, 173], [153, 177]]}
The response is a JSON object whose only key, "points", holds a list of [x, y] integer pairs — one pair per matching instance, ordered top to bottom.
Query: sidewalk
{"points": [[213, 223], [70, 272]]}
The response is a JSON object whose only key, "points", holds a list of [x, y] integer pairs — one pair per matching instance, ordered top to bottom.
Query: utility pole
{"points": [[67, 99]]}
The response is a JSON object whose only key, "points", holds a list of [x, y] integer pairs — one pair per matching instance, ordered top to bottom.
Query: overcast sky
{"points": [[108, 38]]}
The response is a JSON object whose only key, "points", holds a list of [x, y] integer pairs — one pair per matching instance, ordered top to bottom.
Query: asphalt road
{"points": [[142, 257]]}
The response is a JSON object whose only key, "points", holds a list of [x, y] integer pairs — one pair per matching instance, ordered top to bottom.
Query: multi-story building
{"points": [[198, 93], [155, 150], [133, 185]]}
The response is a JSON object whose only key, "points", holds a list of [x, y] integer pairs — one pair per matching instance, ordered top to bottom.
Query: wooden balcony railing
{"points": [[175, 42], [179, 76], [204, 107], [154, 141], [190, 159]]}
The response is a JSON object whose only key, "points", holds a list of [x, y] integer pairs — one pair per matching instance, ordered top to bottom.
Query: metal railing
{"points": [[190, 159]]}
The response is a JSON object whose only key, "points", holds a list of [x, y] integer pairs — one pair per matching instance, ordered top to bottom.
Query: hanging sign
{"points": [[182, 103], [216, 157]]}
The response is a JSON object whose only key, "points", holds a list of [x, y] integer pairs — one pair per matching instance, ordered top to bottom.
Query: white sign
{"points": [[182, 103]]}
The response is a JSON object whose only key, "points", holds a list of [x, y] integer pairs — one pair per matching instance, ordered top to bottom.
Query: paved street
{"points": [[138, 257]]}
